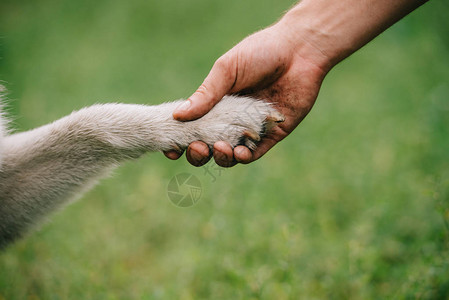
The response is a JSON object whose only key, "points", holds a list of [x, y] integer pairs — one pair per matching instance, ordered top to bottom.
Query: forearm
{"points": [[328, 31]]}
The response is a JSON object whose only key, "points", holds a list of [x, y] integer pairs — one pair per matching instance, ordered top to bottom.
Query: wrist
{"points": [[330, 31], [313, 38]]}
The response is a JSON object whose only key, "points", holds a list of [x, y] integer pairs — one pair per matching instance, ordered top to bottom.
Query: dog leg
{"points": [[44, 168]]}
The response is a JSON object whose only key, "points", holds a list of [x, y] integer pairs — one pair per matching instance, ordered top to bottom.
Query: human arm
{"points": [[286, 64]]}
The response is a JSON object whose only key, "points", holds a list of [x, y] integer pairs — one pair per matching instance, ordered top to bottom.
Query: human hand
{"points": [[286, 64], [266, 65]]}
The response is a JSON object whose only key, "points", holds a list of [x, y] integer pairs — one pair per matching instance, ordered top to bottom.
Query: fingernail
{"points": [[184, 106], [238, 151], [195, 155], [220, 156], [196, 158]]}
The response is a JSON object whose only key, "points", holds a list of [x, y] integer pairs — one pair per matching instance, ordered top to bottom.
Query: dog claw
{"points": [[275, 117], [252, 135], [177, 148]]}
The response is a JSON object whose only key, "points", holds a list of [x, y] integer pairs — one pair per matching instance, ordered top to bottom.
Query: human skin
{"points": [[286, 64]]}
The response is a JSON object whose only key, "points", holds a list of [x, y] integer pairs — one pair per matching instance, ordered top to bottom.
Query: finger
{"points": [[217, 84], [276, 135], [266, 144], [198, 154], [223, 154], [173, 155], [243, 155]]}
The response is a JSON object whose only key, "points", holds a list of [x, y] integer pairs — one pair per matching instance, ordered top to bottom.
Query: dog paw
{"points": [[238, 121]]}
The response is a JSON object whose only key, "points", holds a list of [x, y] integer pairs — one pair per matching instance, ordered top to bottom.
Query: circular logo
{"points": [[184, 190]]}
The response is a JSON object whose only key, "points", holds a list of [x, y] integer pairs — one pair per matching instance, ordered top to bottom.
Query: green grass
{"points": [[353, 205]]}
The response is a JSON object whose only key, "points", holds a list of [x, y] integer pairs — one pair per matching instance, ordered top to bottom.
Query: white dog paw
{"points": [[238, 121]]}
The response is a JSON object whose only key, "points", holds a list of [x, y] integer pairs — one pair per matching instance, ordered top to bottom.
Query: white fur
{"points": [[42, 169]]}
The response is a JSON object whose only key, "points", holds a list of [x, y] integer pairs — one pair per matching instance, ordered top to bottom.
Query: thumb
{"points": [[217, 84]]}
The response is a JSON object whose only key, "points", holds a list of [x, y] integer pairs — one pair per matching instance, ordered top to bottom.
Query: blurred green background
{"points": [[353, 205]]}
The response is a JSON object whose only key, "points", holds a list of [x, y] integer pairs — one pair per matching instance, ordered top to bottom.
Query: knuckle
{"points": [[222, 63], [226, 67], [203, 90], [206, 95]]}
